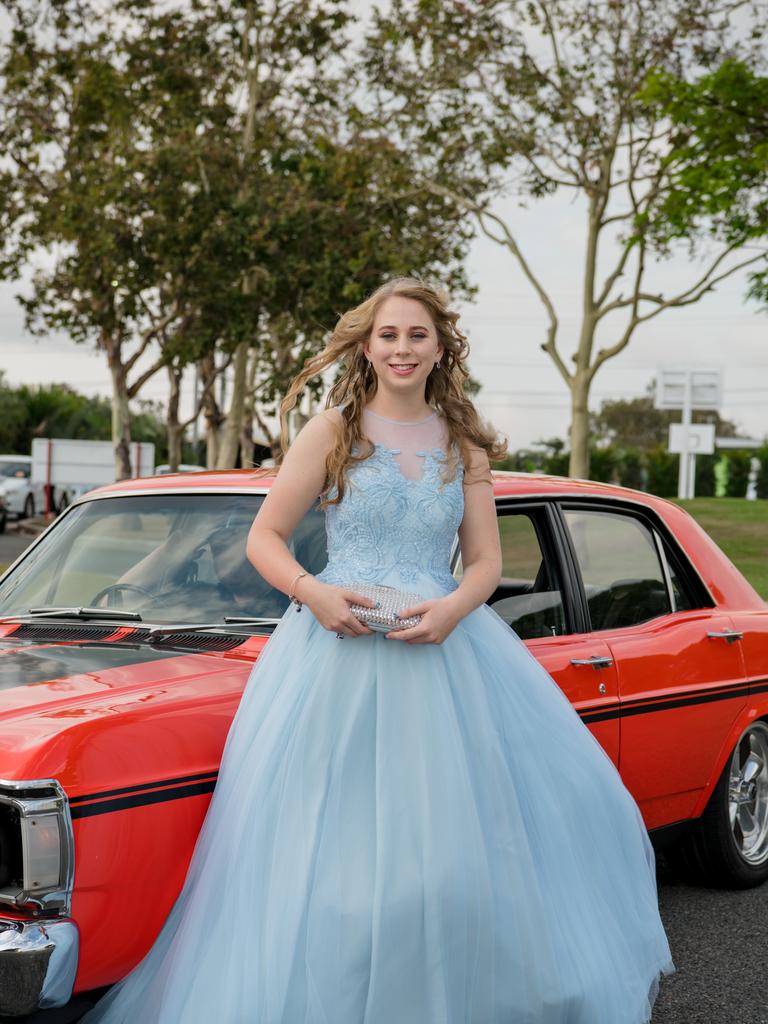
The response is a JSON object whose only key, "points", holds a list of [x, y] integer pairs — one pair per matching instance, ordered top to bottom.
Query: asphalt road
{"points": [[13, 542], [719, 943]]}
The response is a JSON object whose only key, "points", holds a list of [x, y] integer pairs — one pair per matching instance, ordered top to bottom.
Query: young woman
{"points": [[412, 827]]}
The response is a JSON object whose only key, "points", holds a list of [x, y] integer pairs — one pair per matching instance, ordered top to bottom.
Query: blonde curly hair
{"points": [[358, 383]]}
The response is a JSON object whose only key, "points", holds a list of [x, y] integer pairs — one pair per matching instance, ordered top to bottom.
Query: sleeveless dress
{"points": [[406, 833]]}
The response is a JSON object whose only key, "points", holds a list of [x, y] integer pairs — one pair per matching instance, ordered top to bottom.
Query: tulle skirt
{"points": [[408, 834]]}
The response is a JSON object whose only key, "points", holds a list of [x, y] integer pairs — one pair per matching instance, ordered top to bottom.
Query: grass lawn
{"points": [[740, 528]]}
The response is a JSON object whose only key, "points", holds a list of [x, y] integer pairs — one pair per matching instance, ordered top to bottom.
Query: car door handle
{"points": [[728, 634], [596, 661]]}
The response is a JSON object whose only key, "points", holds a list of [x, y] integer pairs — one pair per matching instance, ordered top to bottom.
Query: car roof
{"points": [[15, 458], [505, 484]]}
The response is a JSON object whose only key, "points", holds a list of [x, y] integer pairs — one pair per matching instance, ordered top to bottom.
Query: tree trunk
{"points": [[211, 412], [121, 417], [173, 428], [230, 439], [247, 446], [579, 460]]}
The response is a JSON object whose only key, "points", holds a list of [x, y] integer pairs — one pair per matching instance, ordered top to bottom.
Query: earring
{"points": [[437, 363]]}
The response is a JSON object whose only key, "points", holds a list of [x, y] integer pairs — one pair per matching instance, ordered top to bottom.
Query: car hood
{"points": [[46, 687]]}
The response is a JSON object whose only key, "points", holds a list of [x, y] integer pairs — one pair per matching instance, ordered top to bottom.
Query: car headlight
{"points": [[36, 845]]}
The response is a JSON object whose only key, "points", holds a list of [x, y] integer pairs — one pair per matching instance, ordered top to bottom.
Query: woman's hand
{"points": [[330, 606], [439, 616]]}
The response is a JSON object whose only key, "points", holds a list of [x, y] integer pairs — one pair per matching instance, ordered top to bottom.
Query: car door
{"points": [[535, 597], [680, 668]]}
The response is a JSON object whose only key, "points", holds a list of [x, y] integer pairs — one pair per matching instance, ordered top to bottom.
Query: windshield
{"points": [[13, 468], [173, 558]]}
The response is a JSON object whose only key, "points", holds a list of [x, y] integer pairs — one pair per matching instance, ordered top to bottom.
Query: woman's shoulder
{"points": [[324, 421]]}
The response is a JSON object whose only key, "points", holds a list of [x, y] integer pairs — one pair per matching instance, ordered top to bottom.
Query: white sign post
{"points": [[687, 389]]}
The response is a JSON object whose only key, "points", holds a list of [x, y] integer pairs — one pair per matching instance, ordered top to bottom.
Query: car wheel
{"points": [[29, 507], [728, 845]]}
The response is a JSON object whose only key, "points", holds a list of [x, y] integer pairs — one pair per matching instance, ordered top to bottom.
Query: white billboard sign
{"points": [[706, 388], [696, 438]]}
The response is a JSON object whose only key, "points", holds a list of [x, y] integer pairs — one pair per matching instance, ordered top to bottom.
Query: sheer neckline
{"points": [[401, 423]]}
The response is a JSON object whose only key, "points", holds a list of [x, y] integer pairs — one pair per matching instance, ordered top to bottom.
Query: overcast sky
{"points": [[522, 393]]}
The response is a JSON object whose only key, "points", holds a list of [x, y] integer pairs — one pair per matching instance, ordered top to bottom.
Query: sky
{"points": [[522, 394]]}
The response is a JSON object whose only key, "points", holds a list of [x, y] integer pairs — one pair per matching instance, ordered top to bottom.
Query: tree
{"points": [[542, 96], [718, 158], [76, 189], [206, 199], [351, 220], [58, 410], [636, 423]]}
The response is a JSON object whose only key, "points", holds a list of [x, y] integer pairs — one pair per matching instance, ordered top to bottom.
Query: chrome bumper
{"points": [[38, 963]]}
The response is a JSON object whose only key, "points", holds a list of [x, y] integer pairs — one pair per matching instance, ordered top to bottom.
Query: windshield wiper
{"points": [[81, 613], [229, 620], [249, 620]]}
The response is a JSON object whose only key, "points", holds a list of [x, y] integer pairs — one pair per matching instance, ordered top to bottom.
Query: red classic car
{"points": [[129, 628]]}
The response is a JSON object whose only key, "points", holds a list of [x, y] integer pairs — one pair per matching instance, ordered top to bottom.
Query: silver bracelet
{"points": [[292, 587]]}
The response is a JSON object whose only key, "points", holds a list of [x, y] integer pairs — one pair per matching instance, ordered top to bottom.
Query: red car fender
{"points": [[759, 710]]}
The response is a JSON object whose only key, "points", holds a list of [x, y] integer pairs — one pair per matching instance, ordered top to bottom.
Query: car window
{"points": [[13, 469], [178, 558], [620, 568], [529, 596], [683, 598]]}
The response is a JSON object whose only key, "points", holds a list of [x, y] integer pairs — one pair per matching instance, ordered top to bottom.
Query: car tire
{"points": [[29, 507], [3, 521], [728, 845]]}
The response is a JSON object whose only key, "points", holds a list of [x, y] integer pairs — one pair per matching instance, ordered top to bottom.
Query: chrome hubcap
{"points": [[748, 794]]}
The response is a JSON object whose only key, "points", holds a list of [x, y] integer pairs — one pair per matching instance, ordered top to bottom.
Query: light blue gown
{"points": [[402, 833]]}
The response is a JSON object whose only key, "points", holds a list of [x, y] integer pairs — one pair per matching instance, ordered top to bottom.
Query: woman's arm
{"points": [[298, 484], [478, 537], [480, 556]]}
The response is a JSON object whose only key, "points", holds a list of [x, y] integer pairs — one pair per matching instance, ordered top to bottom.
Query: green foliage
{"points": [[718, 159], [198, 176], [57, 410], [636, 423], [604, 465], [632, 469], [662, 472], [738, 473], [705, 476], [762, 479]]}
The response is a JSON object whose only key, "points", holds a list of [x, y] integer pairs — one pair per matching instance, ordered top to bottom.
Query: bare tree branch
{"points": [[507, 239], [207, 388]]}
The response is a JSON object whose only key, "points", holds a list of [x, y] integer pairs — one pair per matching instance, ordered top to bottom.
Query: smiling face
{"points": [[403, 347]]}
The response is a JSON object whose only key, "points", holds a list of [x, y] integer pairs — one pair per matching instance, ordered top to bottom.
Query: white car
{"points": [[22, 498]]}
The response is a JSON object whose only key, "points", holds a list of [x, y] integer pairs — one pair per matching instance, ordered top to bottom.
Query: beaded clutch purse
{"points": [[390, 603]]}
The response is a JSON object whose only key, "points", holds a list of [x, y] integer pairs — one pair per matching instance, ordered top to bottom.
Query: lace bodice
{"points": [[398, 519]]}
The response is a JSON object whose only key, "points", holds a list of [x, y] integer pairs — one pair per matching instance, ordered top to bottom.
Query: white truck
{"points": [[65, 468]]}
